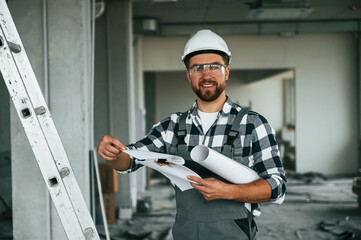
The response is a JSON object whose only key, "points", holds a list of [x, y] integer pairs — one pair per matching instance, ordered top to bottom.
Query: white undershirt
{"points": [[207, 120]]}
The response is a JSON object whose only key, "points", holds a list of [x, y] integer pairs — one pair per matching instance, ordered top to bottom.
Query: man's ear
{"points": [[226, 75], [188, 76]]}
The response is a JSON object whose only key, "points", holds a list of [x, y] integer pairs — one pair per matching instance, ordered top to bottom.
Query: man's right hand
{"points": [[109, 147]]}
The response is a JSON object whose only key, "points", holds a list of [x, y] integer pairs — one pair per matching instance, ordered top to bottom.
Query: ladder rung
{"points": [[43, 137]]}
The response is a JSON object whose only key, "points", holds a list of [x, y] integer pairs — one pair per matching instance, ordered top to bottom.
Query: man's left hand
{"points": [[210, 188]]}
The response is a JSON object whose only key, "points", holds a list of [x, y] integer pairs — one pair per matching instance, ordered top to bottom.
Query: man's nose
{"points": [[206, 73]]}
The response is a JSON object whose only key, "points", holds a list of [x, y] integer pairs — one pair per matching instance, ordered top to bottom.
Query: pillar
{"points": [[56, 36]]}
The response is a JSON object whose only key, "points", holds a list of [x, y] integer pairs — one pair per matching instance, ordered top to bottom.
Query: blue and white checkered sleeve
{"points": [[153, 141], [267, 157]]}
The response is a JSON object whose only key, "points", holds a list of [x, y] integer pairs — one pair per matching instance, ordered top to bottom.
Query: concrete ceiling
{"points": [[183, 17], [286, 18]]}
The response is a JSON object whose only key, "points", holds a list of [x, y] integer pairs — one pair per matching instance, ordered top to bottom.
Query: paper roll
{"points": [[222, 165]]}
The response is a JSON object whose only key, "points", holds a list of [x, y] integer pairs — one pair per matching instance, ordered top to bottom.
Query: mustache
{"points": [[208, 82]]}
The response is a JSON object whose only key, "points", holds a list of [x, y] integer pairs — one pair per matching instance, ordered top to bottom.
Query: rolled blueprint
{"points": [[222, 165]]}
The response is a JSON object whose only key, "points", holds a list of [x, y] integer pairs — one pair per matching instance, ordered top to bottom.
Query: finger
{"points": [[109, 140], [117, 144], [107, 148], [111, 149], [103, 153], [109, 153], [196, 179], [210, 179], [200, 188]]}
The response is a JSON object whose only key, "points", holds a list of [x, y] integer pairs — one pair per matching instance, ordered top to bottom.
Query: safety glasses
{"points": [[213, 69]]}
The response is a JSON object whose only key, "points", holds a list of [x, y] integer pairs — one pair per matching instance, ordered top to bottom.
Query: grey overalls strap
{"points": [[228, 148], [199, 219]]}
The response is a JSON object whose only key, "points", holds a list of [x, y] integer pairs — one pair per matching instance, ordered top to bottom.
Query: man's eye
{"points": [[214, 67], [198, 69]]}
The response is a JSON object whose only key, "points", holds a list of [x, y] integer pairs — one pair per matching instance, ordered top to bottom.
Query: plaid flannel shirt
{"points": [[255, 145]]}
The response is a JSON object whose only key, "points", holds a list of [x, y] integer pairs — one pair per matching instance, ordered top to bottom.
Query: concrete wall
{"points": [[56, 36], [101, 82], [172, 94], [265, 96], [115, 102], [4, 118], [325, 121], [5, 155], [24, 166]]}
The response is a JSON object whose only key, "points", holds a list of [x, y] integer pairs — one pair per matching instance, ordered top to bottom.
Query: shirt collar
{"points": [[226, 109]]}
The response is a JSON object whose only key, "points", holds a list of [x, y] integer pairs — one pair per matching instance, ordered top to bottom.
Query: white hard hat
{"points": [[205, 40]]}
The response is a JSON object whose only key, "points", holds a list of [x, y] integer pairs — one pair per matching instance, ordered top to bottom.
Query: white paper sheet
{"points": [[147, 155], [222, 165], [170, 166]]}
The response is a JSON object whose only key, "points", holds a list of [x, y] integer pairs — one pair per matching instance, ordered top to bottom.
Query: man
{"points": [[214, 209]]}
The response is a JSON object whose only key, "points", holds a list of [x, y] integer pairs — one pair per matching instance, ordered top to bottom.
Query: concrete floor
{"points": [[314, 208], [319, 210]]}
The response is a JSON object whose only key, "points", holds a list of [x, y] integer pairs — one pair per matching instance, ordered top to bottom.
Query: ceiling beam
{"points": [[281, 28]]}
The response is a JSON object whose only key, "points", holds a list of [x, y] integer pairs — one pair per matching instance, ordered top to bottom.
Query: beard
{"points": [[209, 95]]}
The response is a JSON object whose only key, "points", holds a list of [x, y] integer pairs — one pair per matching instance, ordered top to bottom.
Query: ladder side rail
{"points": [[48, 128], [38, 143]]}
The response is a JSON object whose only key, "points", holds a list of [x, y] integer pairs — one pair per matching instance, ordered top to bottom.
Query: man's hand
{"points": [[109, 147], [210, 188], [254, 192]]}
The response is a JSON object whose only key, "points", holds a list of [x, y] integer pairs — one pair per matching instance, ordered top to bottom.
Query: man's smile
{"points": [[207, 84]]}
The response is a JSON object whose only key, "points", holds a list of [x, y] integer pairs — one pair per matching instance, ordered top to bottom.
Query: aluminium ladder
{"points": [[41, 132]]}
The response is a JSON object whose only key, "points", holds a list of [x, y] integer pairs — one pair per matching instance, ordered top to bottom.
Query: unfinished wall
{"points": [[56, 37], [101, 82], [114, 86], [173, 94], [264, 97], [326, 102], [4, 118], [5, 157], [24, 166]]}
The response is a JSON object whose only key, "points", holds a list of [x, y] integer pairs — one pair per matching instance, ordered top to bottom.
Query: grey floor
{"points": [[315, 208]]}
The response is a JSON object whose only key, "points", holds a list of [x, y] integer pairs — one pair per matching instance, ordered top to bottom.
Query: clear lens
{"points": [[214, 70]]}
